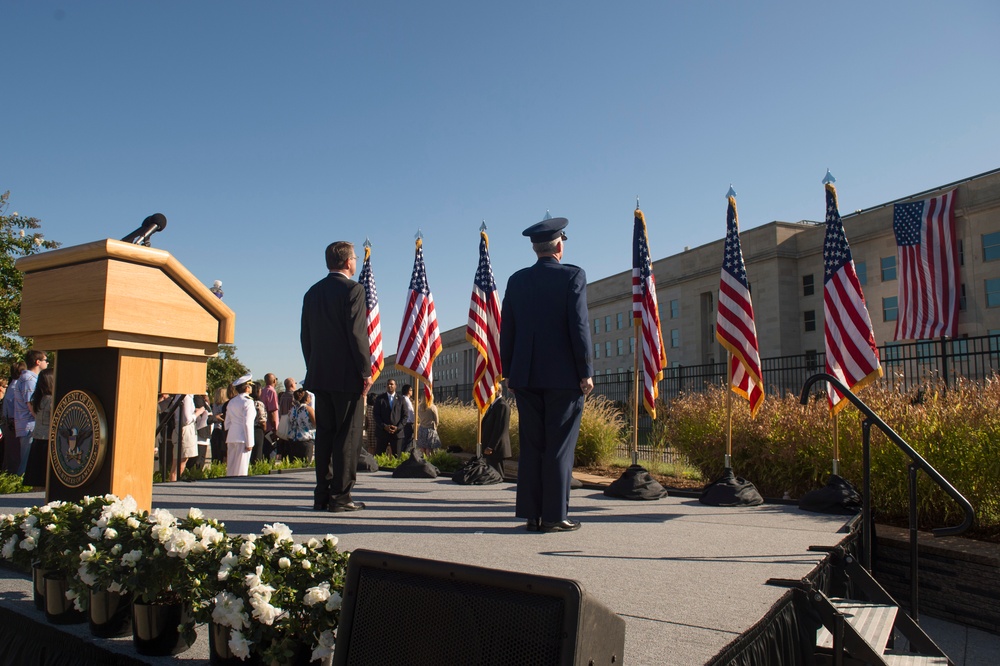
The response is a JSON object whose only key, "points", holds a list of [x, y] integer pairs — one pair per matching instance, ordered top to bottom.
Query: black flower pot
{"points": [[38, 586], [59, 609], [110, 614], [156, 629], [219, 653]]}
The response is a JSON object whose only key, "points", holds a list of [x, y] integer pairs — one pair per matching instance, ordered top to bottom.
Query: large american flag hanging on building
{"points": [[928, 268], [367, 280], [647, 316], [735, 328], [483, 330], [419, 337], [851, 354]]}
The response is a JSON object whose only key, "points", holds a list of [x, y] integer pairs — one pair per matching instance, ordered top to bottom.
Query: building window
{"points": [[991, 246], [961, 252], [861, 268], [888, 268], [807, 285], [993, 293], [961, 297], [675, 309], [890, 309], [809, 319], [621, 320], [607, 324], [597, 325], [675, 338], [631, 346], [621, 347], [607, 349], [597, 350], [891, 354], [810, 360]]}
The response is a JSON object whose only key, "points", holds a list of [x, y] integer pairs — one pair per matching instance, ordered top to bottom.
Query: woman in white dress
{"points": [[240, 417]]}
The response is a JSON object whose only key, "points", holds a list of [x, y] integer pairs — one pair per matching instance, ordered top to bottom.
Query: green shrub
{"points": [[389, 461], [444, 461], [12, 483]]}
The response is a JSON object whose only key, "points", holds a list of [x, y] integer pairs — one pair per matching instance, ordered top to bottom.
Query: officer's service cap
{"points": [[547, 230]]}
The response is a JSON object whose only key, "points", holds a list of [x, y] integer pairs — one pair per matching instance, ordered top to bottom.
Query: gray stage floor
{"points": [[687, 578]]}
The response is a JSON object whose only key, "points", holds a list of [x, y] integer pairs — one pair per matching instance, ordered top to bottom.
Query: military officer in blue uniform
{"points": [[545, 352]]}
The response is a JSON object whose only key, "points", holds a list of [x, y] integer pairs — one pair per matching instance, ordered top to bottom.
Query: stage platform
{"points": [[687, 578]]}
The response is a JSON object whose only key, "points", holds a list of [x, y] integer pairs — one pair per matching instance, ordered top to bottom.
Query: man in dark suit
{"points": [[545, 354], [338, 372], [390, 419]]}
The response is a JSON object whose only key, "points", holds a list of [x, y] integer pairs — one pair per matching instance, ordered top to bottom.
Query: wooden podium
{"points": [[128, 323]]}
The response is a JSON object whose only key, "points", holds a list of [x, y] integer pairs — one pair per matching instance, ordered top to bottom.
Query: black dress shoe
{"points": [[350, 506], [321, 507], [534, 524], [561, 526]]}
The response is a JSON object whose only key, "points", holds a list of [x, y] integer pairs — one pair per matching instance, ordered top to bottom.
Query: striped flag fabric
{"points": [[928, 268], [367, 280], [646, 315], [735, 328], [483, 330], [419, 337], [851, 354]]}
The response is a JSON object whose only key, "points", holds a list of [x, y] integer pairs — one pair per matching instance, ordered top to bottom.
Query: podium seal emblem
{"points": [[78, 439]]}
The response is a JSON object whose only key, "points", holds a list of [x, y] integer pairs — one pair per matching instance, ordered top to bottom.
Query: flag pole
{"points": [[635, 407], [479, 433], [836, 444], [728, 464]]}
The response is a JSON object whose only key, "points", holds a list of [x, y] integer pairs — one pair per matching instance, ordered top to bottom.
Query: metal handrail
{"points": [[917, 459], [917, 462]]}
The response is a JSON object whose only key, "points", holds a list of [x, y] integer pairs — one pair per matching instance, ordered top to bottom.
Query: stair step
{"points": [[872, 621], [895, 658]]}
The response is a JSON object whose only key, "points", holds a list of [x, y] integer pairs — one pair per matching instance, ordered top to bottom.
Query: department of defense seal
{"points": [[78, 439]]}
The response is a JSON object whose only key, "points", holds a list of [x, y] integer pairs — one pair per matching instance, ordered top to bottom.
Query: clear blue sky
{"points": [[266, 130]]}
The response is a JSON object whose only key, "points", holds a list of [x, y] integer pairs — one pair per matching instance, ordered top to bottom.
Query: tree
{"points": [[14, 244], [224, 368]]}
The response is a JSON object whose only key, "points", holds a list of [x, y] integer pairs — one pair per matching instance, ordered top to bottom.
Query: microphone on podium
{"points": [[152, 224]]}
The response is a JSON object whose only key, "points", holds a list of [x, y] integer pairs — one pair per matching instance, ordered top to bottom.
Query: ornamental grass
{"points": [[788, 448]]}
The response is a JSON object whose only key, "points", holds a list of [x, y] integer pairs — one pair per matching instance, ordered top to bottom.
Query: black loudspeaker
{"points": [[408, 611]]}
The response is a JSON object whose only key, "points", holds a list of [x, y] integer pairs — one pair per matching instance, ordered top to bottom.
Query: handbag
{"points": [[283, 426]]}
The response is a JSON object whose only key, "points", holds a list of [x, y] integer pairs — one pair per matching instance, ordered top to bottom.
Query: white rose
{"points": [[110, 533], [332, 540], [284, 563], [307, 565], [335, 602]]}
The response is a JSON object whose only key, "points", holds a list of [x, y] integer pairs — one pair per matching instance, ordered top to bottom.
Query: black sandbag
{"points": [[367, 462], [415, 467], [477, 472], [636, 483], [730, 490], [838, 497]]}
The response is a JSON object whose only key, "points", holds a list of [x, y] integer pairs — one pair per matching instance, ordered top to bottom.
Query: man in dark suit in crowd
{"points": [[545, 354], [338, 372], [390, 418], [496, 433]]}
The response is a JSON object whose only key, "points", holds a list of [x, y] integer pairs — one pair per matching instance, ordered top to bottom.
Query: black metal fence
{"points": [[904, 365]]}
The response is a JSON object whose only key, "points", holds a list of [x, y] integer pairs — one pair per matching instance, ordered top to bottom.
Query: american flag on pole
{"points": [[928, 268], [367, 280], [646, 315], [735, 328], [483, 330], [419, 337], [851, 354]]}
